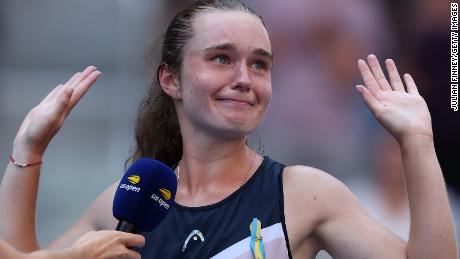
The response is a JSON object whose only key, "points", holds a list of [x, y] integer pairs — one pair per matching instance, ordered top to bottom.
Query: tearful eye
{"points": [[222, 59], [260, 65]]}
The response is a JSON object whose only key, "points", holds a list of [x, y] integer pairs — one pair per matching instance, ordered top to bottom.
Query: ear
{"points": [[169, 82]]}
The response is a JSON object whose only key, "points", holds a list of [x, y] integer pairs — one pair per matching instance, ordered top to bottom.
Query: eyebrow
{"points": [[232, 47]]}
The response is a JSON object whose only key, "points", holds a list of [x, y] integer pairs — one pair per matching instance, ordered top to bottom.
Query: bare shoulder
{"points": [[307, 175], [311, 184], [313, 188], [311, 196], [101, 209], [322, 213]]}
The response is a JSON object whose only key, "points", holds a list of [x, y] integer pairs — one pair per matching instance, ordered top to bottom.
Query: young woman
{"points": [[213, 90]]}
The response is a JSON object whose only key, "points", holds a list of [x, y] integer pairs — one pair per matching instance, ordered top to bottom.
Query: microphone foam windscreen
{"points": [[145, 194]]}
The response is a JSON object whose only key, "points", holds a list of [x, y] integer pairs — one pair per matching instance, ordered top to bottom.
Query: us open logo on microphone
{"points": [[133, 179], [166, 195]]}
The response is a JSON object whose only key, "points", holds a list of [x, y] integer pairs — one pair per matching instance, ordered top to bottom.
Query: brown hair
{"points": [[157, 131]]}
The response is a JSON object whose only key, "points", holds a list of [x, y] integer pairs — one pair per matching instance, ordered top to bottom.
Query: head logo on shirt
{"points": [[195, 234]]}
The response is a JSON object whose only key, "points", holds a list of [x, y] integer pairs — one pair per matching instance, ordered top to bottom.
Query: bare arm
{"points": [[404, 113], [18, 190], [18, 193], [322, 214], [97, 217], [340, 225], [432, 230], [8, 252]]}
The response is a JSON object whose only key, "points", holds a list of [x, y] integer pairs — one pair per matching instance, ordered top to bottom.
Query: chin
{"points": [[233, 129], [238, 130]]}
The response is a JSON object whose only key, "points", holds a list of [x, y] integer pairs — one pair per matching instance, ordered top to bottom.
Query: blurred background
{"points": [[316, 117]]}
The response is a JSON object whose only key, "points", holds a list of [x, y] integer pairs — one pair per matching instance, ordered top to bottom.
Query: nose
{"points": [[242, 77]]}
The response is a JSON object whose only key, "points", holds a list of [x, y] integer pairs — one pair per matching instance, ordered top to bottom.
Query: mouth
{"points": [[236, 102]]}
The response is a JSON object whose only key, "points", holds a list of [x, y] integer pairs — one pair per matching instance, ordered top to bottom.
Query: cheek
{"points": [[202, 80], [197, 91], [264, 92], [193, 96]]}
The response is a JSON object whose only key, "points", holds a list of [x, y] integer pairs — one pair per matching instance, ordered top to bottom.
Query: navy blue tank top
{"points": [[221, 230]]}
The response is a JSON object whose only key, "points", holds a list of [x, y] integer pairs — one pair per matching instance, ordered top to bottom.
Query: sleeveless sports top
{"points": [[222, 230]]}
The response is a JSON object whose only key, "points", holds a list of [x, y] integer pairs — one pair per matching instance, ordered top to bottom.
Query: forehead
{"points": [[242, 29]]}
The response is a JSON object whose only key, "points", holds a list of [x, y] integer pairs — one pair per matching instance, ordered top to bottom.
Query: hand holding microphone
{"points": [[105, 244]]}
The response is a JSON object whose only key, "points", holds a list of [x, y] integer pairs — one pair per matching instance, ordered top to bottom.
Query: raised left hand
{"points": [[403, 112]]}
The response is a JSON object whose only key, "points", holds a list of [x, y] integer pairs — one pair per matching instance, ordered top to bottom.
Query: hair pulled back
{"points": [[157, 131]]}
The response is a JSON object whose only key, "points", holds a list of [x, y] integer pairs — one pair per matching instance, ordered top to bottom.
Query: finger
{"points": [[378, 73], [83, 75], [368, 77], [72, 79], [395, 79], [83, 87], [411, 87], [52, 94], [67, 96], [63, 98], [368, 98], [62, 105], [131, 240]]}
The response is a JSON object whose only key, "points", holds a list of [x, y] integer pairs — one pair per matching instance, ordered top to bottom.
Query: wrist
{"points": [[416, 141], [22, 146], [23, 155], [71, 253], [51, 254]]}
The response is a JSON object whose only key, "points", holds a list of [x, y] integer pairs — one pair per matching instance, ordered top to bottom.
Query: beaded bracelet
{"points": [[22, 165]]}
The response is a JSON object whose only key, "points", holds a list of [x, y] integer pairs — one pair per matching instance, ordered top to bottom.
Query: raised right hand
{"points": [[44, 120]]}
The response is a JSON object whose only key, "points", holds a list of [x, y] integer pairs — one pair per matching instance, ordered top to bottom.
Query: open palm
{"points": [[403, 112], [45, 119]]}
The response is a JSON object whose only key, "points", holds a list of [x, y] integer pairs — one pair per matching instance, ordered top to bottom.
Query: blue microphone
{"points": [[144, 196]]}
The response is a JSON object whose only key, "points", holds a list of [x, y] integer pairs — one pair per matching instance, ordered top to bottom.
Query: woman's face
{"points": [[225, 82]]}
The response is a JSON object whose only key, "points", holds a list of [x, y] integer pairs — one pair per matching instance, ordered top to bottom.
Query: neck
{"points": [[203, 166], [212, 167]]}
